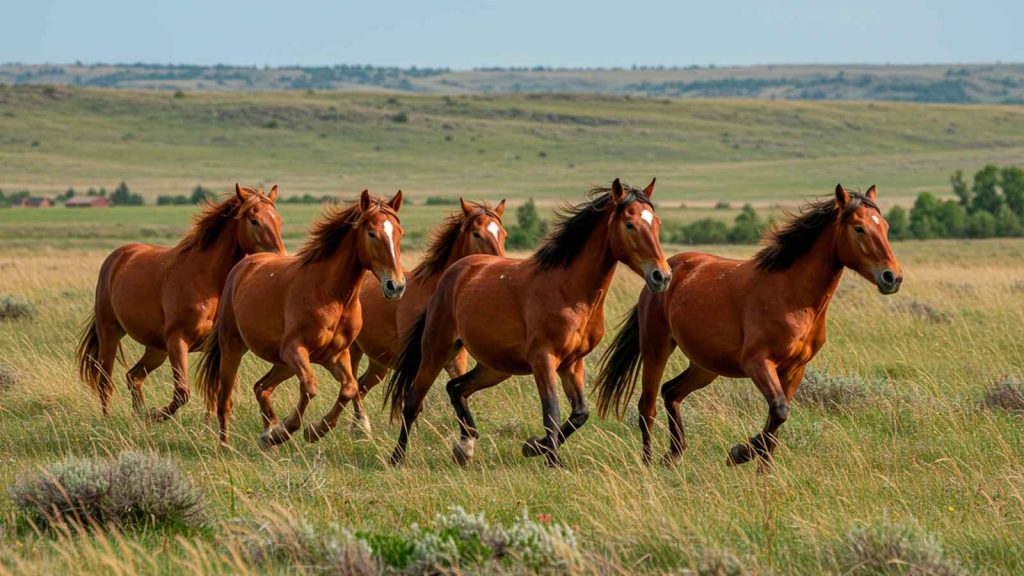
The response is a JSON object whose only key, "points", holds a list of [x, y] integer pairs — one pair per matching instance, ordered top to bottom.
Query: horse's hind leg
{"points": [[438, 345], [177, 351], [297, 358], [150, 361], [341, 369], [374, 375], [459, 391], [673, 393], [761, 445]]}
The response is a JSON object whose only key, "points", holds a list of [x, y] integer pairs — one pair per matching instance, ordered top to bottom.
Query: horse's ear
{"points": [[649, 191], [242, 193], [273, 194], [618, 194], [872, 194], [842, 196], [364, 200], [396, 201], [466, 208], [500, 208]]}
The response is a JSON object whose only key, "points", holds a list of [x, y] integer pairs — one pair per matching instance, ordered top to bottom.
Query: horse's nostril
{"points": [[657, 276], [888, 276], [390, 285]]}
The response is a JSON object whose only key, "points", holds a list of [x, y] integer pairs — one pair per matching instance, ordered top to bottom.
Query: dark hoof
{"points": [[158, 414], [316, 432], [271, 437], [534, 447], [462, 452], [740, 454], [397, 457], [671, 459], [554, 463]]}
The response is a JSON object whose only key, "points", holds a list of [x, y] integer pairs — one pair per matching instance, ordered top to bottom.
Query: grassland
{"points": [[914, 447]]}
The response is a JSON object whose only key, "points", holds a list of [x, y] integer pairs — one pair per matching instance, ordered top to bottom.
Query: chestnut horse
{"points": [[476, 229], [166, 298], [293, 311], [539, 316], [762, 319]]}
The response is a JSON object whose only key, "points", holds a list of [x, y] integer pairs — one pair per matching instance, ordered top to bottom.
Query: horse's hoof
{"points": [[157, 414], [362, 428], [316, 432], [271, 437], [533, 447], [462, 452], [739, 454], [397, 458], [671, 459], [554, 463]]}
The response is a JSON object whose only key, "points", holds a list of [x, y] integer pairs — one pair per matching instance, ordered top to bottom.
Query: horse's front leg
{"points": [[177, 352], [297, 358], [341, 368], [544, 374], [764, 374], [573, 384]]}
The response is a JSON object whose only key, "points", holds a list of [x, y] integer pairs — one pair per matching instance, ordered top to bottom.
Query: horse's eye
{"points": [[254, 222], [630, 226], [858, 229], [373, 234], [476, 234]]}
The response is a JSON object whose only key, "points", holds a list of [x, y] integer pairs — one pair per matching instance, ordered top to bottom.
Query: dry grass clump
{"points": [[13, 308], [921, 311], [8, 376], [836, 392], [1005, 394], [136, 489], [286, 540], [889, 548], [720, 562]]}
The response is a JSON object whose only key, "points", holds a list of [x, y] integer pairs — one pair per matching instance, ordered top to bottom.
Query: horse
{"points": [[476, 229], [166, 298], [296, 310], [539, 316], [762, 319]]}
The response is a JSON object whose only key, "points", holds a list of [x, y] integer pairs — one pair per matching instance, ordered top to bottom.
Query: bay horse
{"points": [[476, 229], [166, 298], [296, 310], [538, 316], [762, 318]]}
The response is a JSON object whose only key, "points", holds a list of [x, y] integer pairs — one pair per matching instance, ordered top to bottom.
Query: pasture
{"points": [[891, 436]]}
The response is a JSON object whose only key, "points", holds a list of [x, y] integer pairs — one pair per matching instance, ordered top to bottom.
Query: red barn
{"points": [[87, 202]]}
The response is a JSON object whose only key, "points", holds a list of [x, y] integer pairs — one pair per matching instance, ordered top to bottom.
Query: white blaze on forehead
{"points": [[647, 216], [875, 219], [388, 229], [493, 229]]}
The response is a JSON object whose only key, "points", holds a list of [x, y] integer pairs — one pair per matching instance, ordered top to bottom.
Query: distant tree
{"points": [[1011, 180], [960, 188], [69, 194], [986, 194], [200, 195], [122, 196], [923, 217], [951, 220], [981, 224], [1008, 224], [899, 226], [530, 227], [747, 227], [703, 231]]}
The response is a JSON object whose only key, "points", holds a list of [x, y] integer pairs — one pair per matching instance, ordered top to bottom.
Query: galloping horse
{"points": [[476, 229], [166, 298], [291, 311], [538, 316], [762, 319]]}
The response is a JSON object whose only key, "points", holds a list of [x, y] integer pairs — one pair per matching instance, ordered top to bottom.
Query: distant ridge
{"points": [[946, 83]]}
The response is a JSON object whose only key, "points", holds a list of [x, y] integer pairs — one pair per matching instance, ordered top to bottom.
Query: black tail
{"points": [[87, 355], [406, 366], [619, 367], [208, 372]]}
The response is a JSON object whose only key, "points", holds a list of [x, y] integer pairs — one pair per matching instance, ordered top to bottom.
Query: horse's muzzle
{"points": [[657, 280], [888, 281], [393, 290]]}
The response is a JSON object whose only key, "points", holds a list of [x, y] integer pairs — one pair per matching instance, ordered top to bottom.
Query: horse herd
{"points": [[228, 288]]}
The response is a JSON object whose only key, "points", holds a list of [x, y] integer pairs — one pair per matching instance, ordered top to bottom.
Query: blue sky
{"points": [[461, 34]]}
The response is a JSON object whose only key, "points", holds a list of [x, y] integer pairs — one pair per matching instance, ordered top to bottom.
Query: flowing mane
{"points": [[209, 223], [327, 234], [570, 234], [442, 240], [785, 245]]}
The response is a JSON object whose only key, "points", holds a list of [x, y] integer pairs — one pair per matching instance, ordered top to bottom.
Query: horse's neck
{"points": [[220, 256], [592, 271], [341, 273], [816, 274]]}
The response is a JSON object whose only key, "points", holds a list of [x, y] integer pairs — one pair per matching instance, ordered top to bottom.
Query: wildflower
{"points": [[544, 518]]}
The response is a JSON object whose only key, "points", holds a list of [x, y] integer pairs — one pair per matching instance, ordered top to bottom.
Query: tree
{"points": [[1011, 180], [960, 188], [200, 195], [986, 195], [123, 196], [923, 216], [951, 220], [1008, 223], [981, 224], [899, 227], [747, 228], [530, 229]]}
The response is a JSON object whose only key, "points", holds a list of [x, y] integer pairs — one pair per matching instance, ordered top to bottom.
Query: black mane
{"points": [[571, 233], [785, 245]]}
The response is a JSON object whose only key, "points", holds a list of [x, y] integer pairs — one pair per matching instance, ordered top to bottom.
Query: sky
{"points": [[460, 34]]}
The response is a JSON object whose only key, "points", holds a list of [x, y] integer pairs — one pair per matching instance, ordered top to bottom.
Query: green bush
{"points": [[529, 230], [13, 308], [889, 548]]}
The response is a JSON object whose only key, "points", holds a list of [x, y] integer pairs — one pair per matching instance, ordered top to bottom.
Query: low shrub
{"points": [[12, 308], [921, 311], [8, 376], [835, 392], [1005, 394], [135, 489], [288, 541], [889, 548], [719, 562]]}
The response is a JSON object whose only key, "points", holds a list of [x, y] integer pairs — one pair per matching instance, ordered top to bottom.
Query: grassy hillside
{"points": [[960, 83], [548, 147]]}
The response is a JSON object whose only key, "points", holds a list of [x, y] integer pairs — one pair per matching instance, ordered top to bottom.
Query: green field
{"points": [[907, 444]]}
